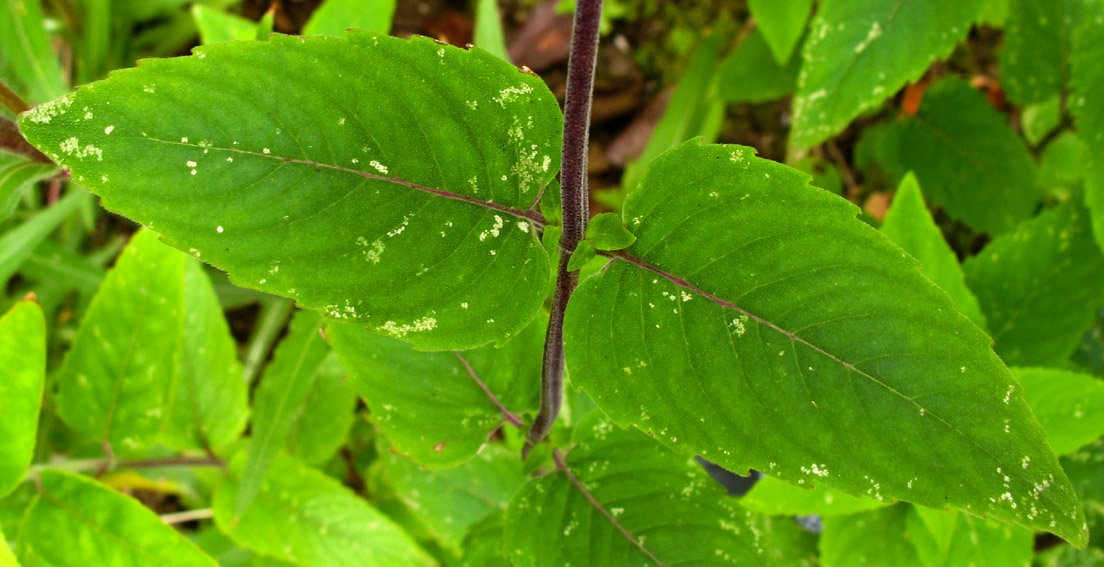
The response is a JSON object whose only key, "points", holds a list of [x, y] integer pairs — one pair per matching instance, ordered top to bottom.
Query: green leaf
{"points": [[333, 17], [782, 24], [216, 25], [488, 29], [860, 52], [33, 62], [1035, 62], [750, 74], [1086, 76], [693, 110], [1036, 120], [965, 156], [17, 175], [354, 204], [909, 225], [607, 232], [19, 243], [582, 254], [1037, 286], [743, 326], [23, 350], [115, 383], [283, 390], [209, 404], [427, 404], [1070, 405], [325, 417], [775, 497], [448, 501], [667, 510], [307, 518], [76, 521], [876, 538], [951, 539], [483, 544], [6, 557]]}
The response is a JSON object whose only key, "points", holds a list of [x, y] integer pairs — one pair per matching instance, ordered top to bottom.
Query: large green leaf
{"points": [[782, 24], [215, 25], [860, 52], [1034, 63], [750, 74], [1086, 76], [965, 156], [17, 174], [400, 202], [909, 225], [1039, 286], [758, 323], [23, 350], [296, 364], [116, 382], [209, 402], [427, 404], [1068, 404], [775, 497], [448, 501], [643, 505], [307, 518], [76, 522], [875, 538], [954, 539], [483, 544], [6, 557]]}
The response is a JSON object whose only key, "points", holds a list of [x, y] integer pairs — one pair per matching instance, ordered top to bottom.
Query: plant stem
{"points": [[12, 100], [11, 139], [575, 203], [508, 415], [109, 463]]}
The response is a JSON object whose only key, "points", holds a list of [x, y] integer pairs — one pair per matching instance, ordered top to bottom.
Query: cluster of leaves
{"points": [[403, 194]]}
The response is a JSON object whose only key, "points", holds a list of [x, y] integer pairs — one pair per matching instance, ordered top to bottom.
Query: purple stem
{"points": [[575, 203], [510, 416]]}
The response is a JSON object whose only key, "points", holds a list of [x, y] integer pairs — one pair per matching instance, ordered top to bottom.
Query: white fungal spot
{"points": [[874, 33], [510, 94], [45, 112], [109, 129], [71, 146], [266, 151], [378, 166], [523, 226], [218, 229], [494, 230], [372, 251], [399, 331]]}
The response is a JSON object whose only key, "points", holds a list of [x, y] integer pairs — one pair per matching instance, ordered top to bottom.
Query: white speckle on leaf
{"points": [[874, 33], [510, 94], [45, 112], [341, 121], [109, 129], [71, 146], [266, 151], [378, 166], [523, 226], [219, 229], [372, 251], [464, 305], [399, 331]]}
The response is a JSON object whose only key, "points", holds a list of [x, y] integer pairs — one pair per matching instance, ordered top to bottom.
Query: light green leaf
{"points": [[333, 17], [782, 24], [217, 25], [488, 29], [860, 52], [32, 59], [1034, 63], [750, 73], [1086, 76], [693, 109], [1036, 120], [965, 156], [17, 175], [392, 204], [909, 225], [607, 232], [19, 243], [582, 254], [1038, 286], [743, 326], [23, 350], [115, 383], [283, 390], [209, 403], [427, 404], [1070, 405], [325, 416], [775, 497], [448, 501], [662, 509], [307, 518], [76, 522], [876, 538], [953, 539], [483, 544], [6, 557]]}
